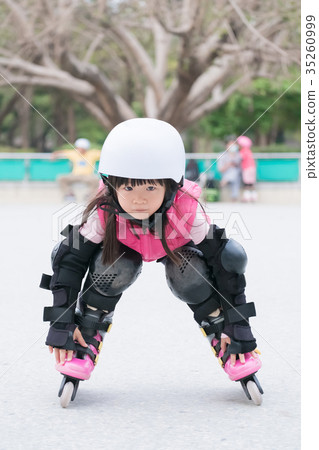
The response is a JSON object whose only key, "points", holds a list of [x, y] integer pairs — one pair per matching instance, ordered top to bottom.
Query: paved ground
{"points": [[157, 385]]}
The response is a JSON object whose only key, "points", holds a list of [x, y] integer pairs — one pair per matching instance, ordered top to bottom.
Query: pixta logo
{"points": [[70, 214], [234, 225]]}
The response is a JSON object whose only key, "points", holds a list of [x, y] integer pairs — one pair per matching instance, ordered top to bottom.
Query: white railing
{"points": [[288, 155]]}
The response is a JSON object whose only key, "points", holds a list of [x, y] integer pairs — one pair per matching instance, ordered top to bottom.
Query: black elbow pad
{"points": [[213, 244], [220, 251], [233, 257], [70, 259]]}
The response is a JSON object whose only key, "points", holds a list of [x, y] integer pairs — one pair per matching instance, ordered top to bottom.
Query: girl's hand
{"points": [[226, 341], [62, 355]]}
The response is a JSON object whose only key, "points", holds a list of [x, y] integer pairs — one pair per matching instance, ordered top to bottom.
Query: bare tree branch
{"points": [[186, 16], [20, 18], [256, 33], [161, 41], [131, 44], [93, 46], [176, 60], [75, 87], [106, 96], [219, 97], [95, 111]]}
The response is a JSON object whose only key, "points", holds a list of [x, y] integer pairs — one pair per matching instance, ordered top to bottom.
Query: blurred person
{"points": [[83, 160], [229, 165], [248, 169], [192, 171]]}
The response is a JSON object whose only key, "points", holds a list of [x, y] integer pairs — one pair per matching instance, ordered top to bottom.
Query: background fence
{"points": [[271, 167]]}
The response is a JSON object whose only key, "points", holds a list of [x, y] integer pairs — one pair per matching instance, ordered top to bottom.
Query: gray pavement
{"points": [[157, 385]]}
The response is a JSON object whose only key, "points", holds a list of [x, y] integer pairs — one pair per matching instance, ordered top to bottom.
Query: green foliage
{"points": [[267, 107], [48, 113], [89, 128], [276, 148], [8, 149]]}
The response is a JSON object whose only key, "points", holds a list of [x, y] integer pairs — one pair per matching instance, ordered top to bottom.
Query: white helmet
{"points": [[82, 143], [143, 148]]}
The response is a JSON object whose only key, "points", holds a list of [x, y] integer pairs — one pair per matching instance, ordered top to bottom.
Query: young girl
{"points": [[248, 169], [146, 211]]}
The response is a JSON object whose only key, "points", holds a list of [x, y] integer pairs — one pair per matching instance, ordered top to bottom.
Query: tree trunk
{"points": [[9, 107], [24, 112], [71, 124]]}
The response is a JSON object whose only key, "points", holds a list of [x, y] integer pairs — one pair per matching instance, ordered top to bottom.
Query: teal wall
{"points": [[12, 169], [267, 169], [47, 170], [277, 170]]}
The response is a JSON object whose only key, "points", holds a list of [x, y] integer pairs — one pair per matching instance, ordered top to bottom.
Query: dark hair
{"points": [[229, 138], [106, 199]]}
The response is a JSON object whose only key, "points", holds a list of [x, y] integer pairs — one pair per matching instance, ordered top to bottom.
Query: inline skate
{"points": [[93, 325], [243, 372]]}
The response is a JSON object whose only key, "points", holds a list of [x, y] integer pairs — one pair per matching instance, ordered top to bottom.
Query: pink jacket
{"points": [[247, 160], [181, 216]]}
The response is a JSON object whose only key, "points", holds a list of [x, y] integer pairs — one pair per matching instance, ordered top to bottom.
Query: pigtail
{"points": [[103, 199], [92, 206], [161, 232], [110, 243], [174, 255]]}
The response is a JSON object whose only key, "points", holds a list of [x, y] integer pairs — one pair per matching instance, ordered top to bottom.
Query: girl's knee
{"points": [[113, 279], [189, 280]]}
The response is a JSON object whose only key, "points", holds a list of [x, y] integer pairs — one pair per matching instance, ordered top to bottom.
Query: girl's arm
{"points": [[70, 260], [227, 260]]}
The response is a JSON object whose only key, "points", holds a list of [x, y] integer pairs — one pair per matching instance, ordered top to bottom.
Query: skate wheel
{"points": [[254, 393], [66, 394]]}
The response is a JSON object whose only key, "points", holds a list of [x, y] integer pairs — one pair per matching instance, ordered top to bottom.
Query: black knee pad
{"points": [[233, 257], [113, 279], [190, 279], [105, 283]]}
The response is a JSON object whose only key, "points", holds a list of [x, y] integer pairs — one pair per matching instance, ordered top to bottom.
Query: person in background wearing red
{"points": [[248, 168]]}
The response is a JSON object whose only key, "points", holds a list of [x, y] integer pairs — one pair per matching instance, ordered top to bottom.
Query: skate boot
{"points": [[246, 196], [254, 196], [93, 325], [243, 372]]}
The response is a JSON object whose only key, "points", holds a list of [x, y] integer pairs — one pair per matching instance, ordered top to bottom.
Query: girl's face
{"points": [[141, 201]]}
